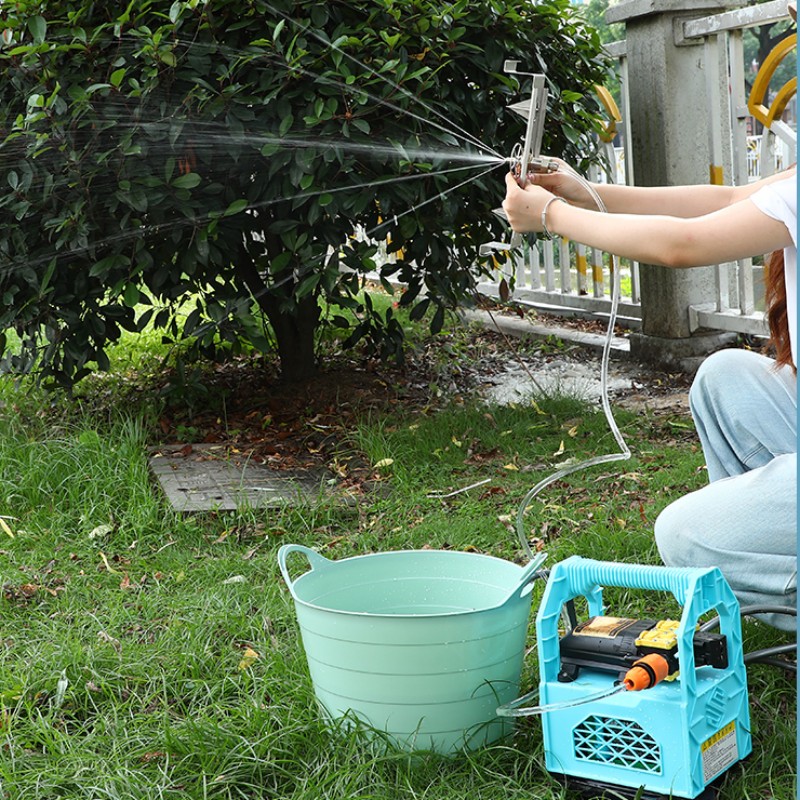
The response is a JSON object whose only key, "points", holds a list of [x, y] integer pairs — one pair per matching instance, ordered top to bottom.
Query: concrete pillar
{"points": [[670, 145]]}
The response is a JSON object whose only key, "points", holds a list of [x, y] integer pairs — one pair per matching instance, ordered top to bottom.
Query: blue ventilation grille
{"points": [[716, 707], [618, 742]]}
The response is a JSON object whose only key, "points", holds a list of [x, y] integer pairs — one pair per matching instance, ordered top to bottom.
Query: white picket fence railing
{"points": [[781, 159]]}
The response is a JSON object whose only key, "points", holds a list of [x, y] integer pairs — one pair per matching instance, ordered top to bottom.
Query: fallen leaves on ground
{"points": [[306, 425]]}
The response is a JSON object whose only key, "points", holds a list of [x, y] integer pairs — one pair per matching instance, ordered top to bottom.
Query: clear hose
{"points": [[625, 452], [517, 708]]}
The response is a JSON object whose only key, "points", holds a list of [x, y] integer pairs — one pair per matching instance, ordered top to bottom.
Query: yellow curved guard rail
{"points": [[759, 92], [610, 127]]}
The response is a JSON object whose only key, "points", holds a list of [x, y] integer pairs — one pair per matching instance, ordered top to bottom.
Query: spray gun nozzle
{"points": [[533, 164]]}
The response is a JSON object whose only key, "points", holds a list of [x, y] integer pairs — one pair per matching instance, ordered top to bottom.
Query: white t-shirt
{"points": [[779, 201]]}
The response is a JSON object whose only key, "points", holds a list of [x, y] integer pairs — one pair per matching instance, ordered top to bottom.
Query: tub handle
{"points": [[315, 560], [529, 573]]}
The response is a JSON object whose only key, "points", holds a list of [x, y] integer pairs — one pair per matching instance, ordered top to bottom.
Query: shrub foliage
{"points": [[206, 166]]}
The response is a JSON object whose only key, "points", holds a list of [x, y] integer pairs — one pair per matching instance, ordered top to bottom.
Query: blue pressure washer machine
{"points": [[672, 739]]}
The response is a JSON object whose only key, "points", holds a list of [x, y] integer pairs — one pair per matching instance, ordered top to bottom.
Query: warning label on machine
{"points": [[719, 751]]}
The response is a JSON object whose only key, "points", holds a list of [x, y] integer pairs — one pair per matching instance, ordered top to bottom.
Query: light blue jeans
{"points": [[745, 520]]}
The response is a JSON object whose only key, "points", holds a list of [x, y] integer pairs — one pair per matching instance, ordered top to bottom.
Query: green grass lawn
{"points": [[147, 654]]}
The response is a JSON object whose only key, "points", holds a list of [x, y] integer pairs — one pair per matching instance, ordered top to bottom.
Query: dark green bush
{"points": [[197, 165]]}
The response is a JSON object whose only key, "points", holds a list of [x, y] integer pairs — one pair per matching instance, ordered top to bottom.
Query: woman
{"points": [[744, 404]]}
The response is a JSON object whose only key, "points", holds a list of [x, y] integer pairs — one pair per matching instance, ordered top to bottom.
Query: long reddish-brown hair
{"points": [[777, 315]]}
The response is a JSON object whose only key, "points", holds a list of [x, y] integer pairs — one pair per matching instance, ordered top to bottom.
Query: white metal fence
{"points": [[781, 158], [736, 306]]}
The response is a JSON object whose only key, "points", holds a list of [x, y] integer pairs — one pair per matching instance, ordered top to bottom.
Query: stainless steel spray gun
{"points": [[525, 157]]}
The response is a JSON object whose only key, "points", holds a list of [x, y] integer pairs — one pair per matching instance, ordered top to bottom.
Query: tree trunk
{"points": [[294, 331], [294, 334]]}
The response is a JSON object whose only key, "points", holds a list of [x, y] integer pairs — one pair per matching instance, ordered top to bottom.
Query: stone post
{"points": [[669, 121]]}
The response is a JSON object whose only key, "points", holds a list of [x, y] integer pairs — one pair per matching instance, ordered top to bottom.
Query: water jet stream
{"points": [[464, 135], [211, 139], [165, 227]]}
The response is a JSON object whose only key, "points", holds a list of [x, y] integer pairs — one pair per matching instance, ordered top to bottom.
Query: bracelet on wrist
{"points": [[545, 230]]}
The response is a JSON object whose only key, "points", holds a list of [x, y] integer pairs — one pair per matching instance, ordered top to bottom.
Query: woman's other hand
{"points": [[563, 183], [524, 207]]}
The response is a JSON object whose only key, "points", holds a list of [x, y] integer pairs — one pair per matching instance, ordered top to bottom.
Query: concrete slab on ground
{"points": [[620, 347], [627, 381], [210, 477]]}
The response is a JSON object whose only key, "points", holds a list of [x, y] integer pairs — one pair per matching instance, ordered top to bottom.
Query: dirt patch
{"points": [[255, 418], [297, 426]]}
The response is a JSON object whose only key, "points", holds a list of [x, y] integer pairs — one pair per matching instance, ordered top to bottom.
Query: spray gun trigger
{"points": [[543, 164], [540, 165]]}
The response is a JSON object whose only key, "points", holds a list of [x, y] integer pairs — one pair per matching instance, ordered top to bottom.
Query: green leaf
{"points": [[319, 15], [38, 27], [117, 77], [286, 124], [571, 133], [188, 181], [236, 207], [280, 262], [107, 265], [48, 276], [307, 285], [131, 296], [418, 312], [144, 319], [438, 320], [191, 323], [103, 363]]}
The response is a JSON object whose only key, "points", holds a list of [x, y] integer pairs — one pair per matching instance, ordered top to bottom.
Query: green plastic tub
{"points": [[421, 645]]}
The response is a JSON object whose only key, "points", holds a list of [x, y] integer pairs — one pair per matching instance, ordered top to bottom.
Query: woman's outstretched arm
{"points": [[673, 201], [737, 230]]}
